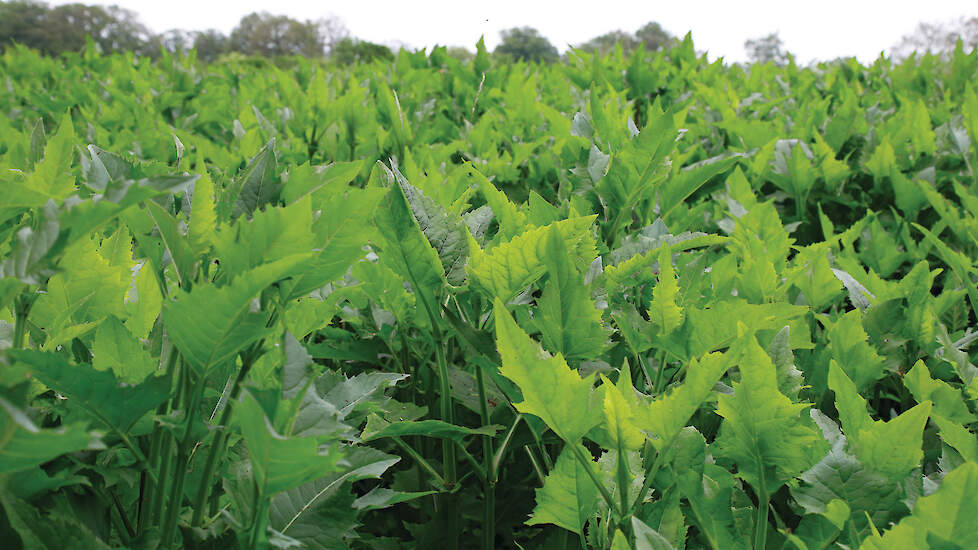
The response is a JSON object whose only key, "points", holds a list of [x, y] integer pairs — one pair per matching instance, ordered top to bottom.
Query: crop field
{"points": [[645, 302]]}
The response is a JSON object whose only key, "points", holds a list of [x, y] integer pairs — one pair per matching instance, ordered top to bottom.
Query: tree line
{"points": [[53, 30]]}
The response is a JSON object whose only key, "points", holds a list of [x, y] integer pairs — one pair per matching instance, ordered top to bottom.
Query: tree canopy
{"points": [[526, 44], [766, 49]]}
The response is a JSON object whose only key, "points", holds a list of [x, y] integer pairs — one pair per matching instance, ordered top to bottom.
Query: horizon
{"points": [[859, 34]]}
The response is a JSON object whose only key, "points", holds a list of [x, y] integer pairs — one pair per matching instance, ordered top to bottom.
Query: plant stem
{"points": [[22, 308], [657, 386], [217, 447], [183, 454], [488, 458], [420, 461], [760, 522]]}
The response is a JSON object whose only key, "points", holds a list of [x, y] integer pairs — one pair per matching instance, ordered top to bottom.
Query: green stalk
{"points": [[22, 308], [657, 386], [217, 447], [447, 448], [183, 454], [420, 461], [536, 465], [489, 487], [760, 522]]}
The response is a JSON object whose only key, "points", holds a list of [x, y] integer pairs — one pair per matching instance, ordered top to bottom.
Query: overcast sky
{"points": [[811, 30]]}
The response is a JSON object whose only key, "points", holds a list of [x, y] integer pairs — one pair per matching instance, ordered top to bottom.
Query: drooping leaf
{"points": [[117, 404]]}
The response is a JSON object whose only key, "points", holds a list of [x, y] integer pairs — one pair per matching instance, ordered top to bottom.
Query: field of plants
{"points": [[646, 302]]}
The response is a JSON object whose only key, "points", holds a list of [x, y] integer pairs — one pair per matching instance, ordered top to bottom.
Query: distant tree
{"points": [[22, 21], [64, 28], [332, 30], [272, 35], [653, 36], [938, 37], [177, 40], [606, 42], [211, 44], [526, 44], [765, 49], [351, 50], [461, 53]]}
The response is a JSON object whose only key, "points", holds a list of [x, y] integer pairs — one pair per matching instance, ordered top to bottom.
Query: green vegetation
{"points": [[617, 302]]}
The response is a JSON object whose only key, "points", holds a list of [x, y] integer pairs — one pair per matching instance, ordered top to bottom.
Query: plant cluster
{"points": [[618, 302]]}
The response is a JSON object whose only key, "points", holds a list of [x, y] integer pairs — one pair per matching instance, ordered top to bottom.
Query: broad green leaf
{"points": [[49, 177], [258, 185], [203, 212], [511, 220], [443, 229], [269, 235], [176, 244], [405, 246], [27, 260], [507, 269], [143, 302], [665, 311], [568, 320], [210, 324], [849, 347], [117, 350], [551, 390], [948, 401], [119, 405], [668, 414], [621, 416], [763, 430], [24, 445], [892, 448], [280, 463], [841, 476], [709, 493], [568, 496], [303, 512], [951, 514], [55, 530], [647, 538]]}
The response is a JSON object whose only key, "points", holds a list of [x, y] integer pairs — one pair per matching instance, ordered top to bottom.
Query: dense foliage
{"points": [[645, 302]]}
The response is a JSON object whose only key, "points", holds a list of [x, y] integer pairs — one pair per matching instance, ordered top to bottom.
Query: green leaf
{"points": [[50, 176], [258, 185], [203, 212], [444, 230], [176, 244], [406, 247], [28, 261], [510, 267], [665, 311], [568, 320], [210, 324], [850, 348], [117, 350], [551, 390], [948, 401], [118, 405], [620, 414], [668, 414], [378, 428], [763, 430], [23, 445], [892, 448], [280, 463], [709, 493], [568, 496], [303, 512], [951, 513], [51, 531], [647, 538]]}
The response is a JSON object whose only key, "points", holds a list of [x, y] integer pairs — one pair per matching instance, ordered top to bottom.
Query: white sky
{"points": [[811, 30]]}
